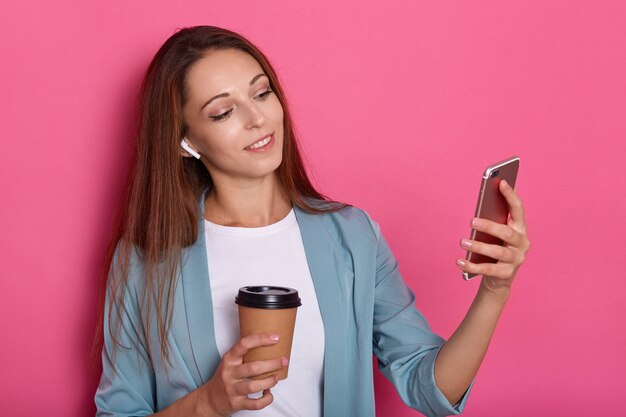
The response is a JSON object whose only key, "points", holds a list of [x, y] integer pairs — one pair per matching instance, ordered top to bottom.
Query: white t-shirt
{"points": [[270, 255]]}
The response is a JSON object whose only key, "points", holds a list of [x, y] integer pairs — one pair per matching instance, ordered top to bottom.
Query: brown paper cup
{"points": [[265, 309]]}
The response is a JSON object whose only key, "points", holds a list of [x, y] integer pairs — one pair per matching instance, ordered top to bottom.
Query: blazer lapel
{"points": [[320, 254], [199, 306]]}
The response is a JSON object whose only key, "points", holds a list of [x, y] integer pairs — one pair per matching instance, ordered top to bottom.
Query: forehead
{"points": [[220, 71]]}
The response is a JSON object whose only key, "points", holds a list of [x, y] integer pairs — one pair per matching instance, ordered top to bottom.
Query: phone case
{"points": [[492, 205]]}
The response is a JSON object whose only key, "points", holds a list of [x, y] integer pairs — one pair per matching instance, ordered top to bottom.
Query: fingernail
{"points": [[505, 183], [477, 222], [466, 243], [460, 262], [274, 337], [285, 361]]}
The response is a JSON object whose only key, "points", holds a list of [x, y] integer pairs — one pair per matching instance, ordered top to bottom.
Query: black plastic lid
{"points": [[264, 296]]}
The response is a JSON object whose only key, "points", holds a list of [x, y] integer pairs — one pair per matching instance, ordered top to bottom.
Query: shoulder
{"points": [[345, 222]]}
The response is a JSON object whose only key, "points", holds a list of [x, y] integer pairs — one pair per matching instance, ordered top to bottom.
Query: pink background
{"points": [[399, 106]]}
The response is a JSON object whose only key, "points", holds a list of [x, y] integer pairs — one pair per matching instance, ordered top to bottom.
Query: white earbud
{"points": [[189, 149]]}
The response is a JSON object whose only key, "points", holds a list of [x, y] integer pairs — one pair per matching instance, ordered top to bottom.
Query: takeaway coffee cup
{"points": [[268, 309]]}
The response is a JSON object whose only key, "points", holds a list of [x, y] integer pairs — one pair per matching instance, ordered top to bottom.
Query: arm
{"points": [[405, 346], [461, 356], [128, 382], [189, 405]]}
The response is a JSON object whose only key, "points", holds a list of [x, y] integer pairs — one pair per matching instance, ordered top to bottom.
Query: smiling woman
{"points": [[215, 93], [218, 198]]}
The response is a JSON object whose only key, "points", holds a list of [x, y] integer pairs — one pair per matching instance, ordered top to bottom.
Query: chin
{"points": [[265, 169]]}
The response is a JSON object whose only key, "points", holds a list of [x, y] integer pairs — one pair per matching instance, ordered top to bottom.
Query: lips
{"points": [[262, 141]]}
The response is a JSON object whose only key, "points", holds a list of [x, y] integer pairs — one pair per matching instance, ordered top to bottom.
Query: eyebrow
{"points": [[256, 77]]}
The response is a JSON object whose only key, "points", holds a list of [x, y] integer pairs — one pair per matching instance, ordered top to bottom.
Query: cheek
{"points": [[276, 110], [279, 111], [280, 123], [220, 139]]}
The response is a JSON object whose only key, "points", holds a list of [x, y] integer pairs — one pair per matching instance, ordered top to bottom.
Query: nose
{"points": [[255, 116]]}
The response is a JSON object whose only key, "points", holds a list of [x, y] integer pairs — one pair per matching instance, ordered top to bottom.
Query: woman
{"points": [[218, 196]]}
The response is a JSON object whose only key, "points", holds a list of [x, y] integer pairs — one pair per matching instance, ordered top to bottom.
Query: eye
{"points": [[265, 93], [262, 96], [222, 116]]}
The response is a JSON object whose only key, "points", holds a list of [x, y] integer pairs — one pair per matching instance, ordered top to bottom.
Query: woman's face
{"points": [[231, 113]]}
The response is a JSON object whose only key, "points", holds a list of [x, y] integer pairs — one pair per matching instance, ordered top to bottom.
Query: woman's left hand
{"points": [[498, 277]]}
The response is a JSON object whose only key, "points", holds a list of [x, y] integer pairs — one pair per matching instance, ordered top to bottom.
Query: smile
{"points": [[261, 144]]}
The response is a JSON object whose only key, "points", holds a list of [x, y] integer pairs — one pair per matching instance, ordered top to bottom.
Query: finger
{"points": [[516, 207], [502, 231], [497, 252], [497, 270], [246, 344], [255, 368], [251, 386], [258, 403]]}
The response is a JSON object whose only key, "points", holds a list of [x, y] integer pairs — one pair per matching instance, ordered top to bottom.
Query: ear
{"points": [[187, 151]]}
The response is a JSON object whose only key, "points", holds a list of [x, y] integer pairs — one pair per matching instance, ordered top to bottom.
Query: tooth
{"points": [[260, 143]]}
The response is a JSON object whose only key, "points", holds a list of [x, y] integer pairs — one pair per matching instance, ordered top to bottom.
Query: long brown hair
{"points": [[159, 213]]}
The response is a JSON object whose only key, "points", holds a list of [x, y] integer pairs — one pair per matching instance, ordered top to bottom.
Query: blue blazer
{"points": [[366, 309]]}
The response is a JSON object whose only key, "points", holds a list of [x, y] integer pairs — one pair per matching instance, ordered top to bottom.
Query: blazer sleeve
{"points": [[405, 346], [127, 384]]}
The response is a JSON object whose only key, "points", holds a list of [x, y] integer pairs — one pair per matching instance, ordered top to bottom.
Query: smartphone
{"points": [[491, 205]]}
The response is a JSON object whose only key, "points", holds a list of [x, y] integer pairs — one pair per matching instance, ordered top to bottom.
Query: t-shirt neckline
{"points": [[282, 224]]}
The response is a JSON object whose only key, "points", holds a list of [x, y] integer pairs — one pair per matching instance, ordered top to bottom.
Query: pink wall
{"points": [[399, 107]]}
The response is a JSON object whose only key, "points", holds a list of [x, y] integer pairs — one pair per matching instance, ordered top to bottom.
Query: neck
{"points": [[251, 204]]}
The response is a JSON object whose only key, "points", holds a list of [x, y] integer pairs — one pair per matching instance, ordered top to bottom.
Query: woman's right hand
{"points": [[227, 391]]}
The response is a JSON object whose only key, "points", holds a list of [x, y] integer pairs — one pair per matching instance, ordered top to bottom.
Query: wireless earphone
{"points": [[189, 149]]}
